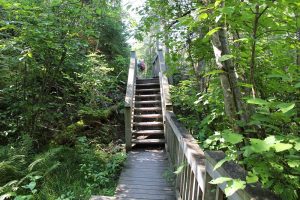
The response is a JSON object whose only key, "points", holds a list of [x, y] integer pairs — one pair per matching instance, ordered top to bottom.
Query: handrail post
{"points": [[129, 100]]}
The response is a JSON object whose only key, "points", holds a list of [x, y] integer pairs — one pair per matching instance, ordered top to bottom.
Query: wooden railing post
{"points": [[129, 100], [209, 189]]}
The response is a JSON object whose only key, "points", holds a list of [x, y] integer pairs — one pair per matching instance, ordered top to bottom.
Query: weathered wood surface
{"points": [[131, 80], [129, 100], [185, 151], [231, 169], [143, 176], [102, 198]]}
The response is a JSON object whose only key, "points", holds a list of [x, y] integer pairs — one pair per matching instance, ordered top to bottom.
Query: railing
{"points": [[158, 70], [129, 99], [196, 167]]}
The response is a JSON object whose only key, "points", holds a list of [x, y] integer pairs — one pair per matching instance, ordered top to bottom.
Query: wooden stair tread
{"points": [[148, 79], [146, 84], [148, 90], [147, 95], [147, 102], [148, 108], [148, 116], [147, 123], [148, 132], [148, 141]]}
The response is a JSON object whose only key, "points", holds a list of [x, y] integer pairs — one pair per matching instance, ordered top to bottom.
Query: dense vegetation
{"points": [[235, 67], [62, 71], [236, 71]]}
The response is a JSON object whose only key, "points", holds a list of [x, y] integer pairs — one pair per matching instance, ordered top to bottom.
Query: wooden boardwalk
{"points": [[143, 176]]}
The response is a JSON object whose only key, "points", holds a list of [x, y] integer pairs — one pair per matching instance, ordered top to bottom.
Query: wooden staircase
{"points": [[147, 118]]}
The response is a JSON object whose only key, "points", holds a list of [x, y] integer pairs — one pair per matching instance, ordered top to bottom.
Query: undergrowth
{"points": [[60, 172]]}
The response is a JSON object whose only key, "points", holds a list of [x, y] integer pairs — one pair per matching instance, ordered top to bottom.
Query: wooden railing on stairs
{"points": [[129, 99], [196, 166]]}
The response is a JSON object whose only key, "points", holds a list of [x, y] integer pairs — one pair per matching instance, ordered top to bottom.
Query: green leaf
{"points": [[217, 3], [228, 10], [99, 11], [203, 16], [211, 32], [241, 40], [225, 57], [213, 72], [246, 85], [297, 85], [257, 101], [285, 107], [232, 138], [270, 139], [259, 146], [297, 146], [282, 147], [221, 162], [294, 163], [179, 169], [251, 178], [220, 180], [31, 185], [236, 185]]}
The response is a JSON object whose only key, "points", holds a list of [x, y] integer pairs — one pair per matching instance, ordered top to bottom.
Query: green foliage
{"points": [[264, 54], [56, 61], [63, 64], [96, 171]]}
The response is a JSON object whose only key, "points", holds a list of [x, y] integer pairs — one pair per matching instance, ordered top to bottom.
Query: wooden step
{"points": [[147, 80], [146, 84], [148, 90], [146, 95], [147, 102], [148, 109], [148, 116], [147, 123], [148, 132], [148, 141]]}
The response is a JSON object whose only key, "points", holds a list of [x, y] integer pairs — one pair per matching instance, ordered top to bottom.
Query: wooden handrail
{"points": [[129, 99], [197, 168], [235, 171]]}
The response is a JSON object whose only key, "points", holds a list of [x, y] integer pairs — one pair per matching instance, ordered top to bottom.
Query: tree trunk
{"points": [[234, 107]]}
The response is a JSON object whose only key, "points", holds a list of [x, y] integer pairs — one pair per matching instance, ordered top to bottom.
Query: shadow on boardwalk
{"points": [[143, 176]]}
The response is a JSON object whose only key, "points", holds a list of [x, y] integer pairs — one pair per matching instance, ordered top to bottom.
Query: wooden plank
{"points": [[131, 80], [146, 84], [147, 90], [146, 95], [148, 109], [148, 116], [147, 123], [128, 128], [149, 132], [149, 141], [194, 155], [233, 170], [142, 176], [150, 187], [210, 189], [144, 190], [146, 196], [102, 198]]}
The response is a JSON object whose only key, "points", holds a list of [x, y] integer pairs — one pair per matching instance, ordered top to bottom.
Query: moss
{"points": [[69, 135]]}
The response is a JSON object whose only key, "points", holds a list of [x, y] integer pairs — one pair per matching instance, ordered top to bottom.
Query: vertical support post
{"points": [[130, 91], [128, 132], [210, 191]]}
